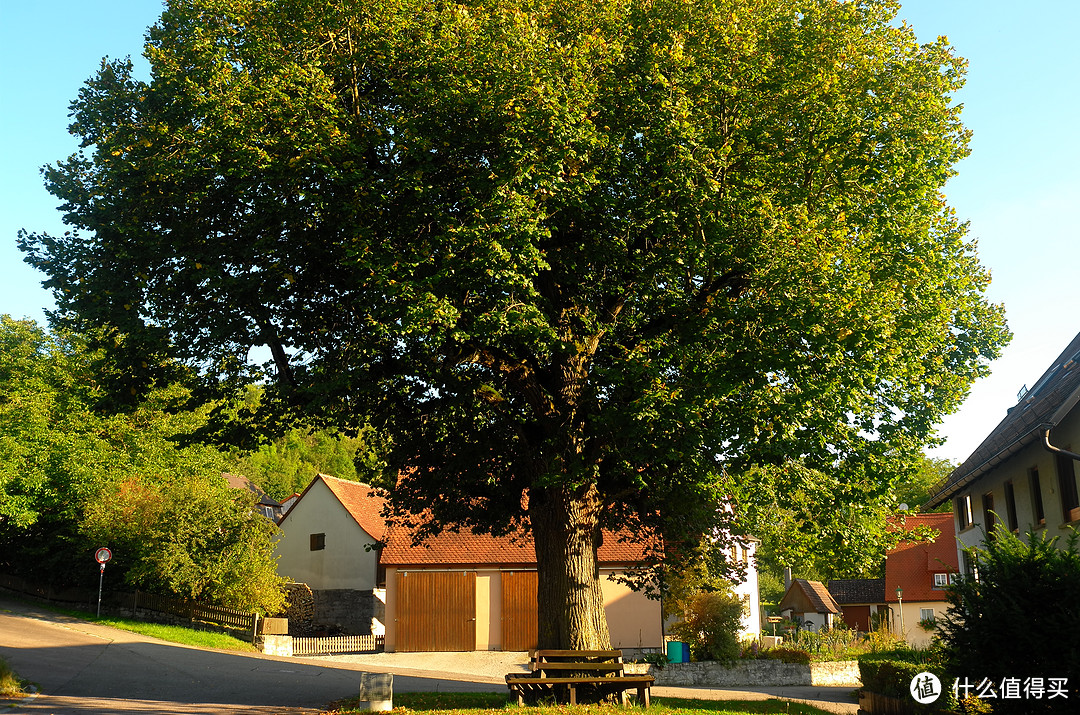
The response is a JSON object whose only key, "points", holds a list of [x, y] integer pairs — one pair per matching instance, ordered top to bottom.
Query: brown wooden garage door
{"points": [[436, 610], [518, 610]]}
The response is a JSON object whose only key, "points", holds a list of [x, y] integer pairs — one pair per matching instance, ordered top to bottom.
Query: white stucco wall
{"points": [[345, 563], [748, 590]]}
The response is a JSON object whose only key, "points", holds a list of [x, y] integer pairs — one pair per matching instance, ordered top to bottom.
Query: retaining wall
{"points": [[353, 611], [758, 672]]}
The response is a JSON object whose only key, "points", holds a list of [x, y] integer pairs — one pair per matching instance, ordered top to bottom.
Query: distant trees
{"points": [[285, 465], [73, 478]]}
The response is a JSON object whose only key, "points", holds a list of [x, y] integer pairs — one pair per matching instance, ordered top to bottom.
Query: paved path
{"points": [[86, 669]]}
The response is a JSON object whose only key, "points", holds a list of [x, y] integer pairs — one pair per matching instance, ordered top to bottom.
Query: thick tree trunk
{"points": [[570, 602]]}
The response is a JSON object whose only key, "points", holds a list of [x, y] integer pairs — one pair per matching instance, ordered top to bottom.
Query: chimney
{"points": [[787, 578]]}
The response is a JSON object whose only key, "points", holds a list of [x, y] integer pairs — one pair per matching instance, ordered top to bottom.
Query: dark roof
{"points": [[1042, 407], [237, 481], [858, 590]]}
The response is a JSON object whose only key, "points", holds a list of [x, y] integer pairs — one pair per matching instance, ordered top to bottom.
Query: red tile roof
{"points": [[362, 501], [456, 548], [912, 565]]}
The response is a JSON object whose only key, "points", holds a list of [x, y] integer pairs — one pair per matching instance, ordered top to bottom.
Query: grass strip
{"points": [[172, 634], [453, 703]]}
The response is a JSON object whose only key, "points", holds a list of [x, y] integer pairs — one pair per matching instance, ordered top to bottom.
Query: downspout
{"points": [[1057, 450]]}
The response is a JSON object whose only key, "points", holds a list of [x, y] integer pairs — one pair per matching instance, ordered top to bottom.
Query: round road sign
{"points": [[102, 555]]}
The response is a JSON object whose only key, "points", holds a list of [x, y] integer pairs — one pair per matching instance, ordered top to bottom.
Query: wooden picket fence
{"points": [[336, 645]]}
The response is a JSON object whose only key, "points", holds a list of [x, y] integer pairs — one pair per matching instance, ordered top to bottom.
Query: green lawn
{"points": [[173, 634], [497, 704]]}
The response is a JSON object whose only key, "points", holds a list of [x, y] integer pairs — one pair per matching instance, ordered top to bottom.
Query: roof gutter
{"points": [[1001, 455], [950, 487]]}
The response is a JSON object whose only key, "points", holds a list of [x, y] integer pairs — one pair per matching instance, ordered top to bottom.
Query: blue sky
{"points": [[1020, 189]]}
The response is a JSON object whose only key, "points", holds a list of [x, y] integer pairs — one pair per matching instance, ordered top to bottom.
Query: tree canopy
{"points": [[584, 263]]}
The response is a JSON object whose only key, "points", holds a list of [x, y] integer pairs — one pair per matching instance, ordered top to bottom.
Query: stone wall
{"points": [[348, 610], [758, 672]]}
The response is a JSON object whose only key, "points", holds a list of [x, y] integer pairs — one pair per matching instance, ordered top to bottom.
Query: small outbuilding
{"points": [[811, 603]]}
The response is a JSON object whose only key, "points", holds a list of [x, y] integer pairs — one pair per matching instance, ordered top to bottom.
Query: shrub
{"points": [[1018, 618], [711, 622], [786, 655], [891, 673]]}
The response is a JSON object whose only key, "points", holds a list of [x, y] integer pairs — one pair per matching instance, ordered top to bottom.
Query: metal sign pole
{"points": [[102, 555], [101, 579]]}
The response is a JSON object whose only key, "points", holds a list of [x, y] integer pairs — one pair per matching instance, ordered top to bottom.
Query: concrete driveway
{"points": [[85, 669]]}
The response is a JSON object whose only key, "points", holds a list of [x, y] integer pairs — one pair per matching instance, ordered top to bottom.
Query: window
{"points": [[1036, 497], [1070, 504], [1010, 505], [963, 511], [989, 518], [318, 542], [971, 569], [953, 578], [941, 580], [926, 614]]}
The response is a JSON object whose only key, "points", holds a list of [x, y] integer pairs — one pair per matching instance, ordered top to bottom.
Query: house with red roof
{"points": [[328, 540], [917, 574]]}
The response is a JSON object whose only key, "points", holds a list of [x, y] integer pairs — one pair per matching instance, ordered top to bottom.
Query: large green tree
{"points": [[581, 261], [73, 478]]}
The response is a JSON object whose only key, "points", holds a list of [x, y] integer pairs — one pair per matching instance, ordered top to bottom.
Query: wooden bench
{"points": [[562, 672]]}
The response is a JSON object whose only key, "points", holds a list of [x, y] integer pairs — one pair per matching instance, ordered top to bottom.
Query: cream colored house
{"points": [[1024, 472], [328, 540], [745, 552]]}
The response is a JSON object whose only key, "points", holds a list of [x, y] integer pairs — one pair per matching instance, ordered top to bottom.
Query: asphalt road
{"points": [[85, 669]]}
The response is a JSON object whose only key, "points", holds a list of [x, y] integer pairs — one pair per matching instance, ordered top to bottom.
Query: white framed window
{"points": [[953, 578], [941, 580], [926, 614]]}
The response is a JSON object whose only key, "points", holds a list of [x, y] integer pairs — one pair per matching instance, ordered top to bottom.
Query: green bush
{"points": [[1017, 619], [711, 622], [786, 655], [891, 672]]}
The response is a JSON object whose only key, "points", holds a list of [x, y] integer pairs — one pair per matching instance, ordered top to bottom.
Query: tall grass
{"points": [[10, 684]]}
